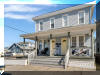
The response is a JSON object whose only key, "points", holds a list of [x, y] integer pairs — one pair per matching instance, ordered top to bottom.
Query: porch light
{"points": [[64, 40], [53, 41]]}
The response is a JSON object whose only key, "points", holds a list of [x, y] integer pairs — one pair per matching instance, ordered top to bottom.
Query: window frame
{"points": [[79, 17], [63, 20], [50, 23], [40, 26], [77, 40], [83, 40], [71, 41]]}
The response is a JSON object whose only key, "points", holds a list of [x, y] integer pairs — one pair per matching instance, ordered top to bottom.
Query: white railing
{"points": [[81, 52], [31, 56], [66, 58]]}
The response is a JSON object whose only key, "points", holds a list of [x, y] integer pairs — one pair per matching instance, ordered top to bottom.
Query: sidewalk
{"points": [[43, 68]]}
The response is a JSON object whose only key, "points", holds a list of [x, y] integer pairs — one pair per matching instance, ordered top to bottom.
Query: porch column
{"points": [[24, 40], [69, 42], [36, 44], [42, 44], [92, 44], [51, 46]]}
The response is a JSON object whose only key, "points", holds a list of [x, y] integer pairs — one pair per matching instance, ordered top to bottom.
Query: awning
{"points": [[82, 29]]}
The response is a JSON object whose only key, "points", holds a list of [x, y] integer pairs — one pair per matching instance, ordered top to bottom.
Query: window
{"points": [[81, 17], [64, 20], [52, 23], [41, 26], [73, 41], [81, 41]]}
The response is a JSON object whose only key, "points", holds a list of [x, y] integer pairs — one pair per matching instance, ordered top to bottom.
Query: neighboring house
{"points": [[67, 32], [98, 37], [21, 47]]}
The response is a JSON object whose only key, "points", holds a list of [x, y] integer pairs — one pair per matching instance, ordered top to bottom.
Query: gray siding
{"points": [[72, 19]]}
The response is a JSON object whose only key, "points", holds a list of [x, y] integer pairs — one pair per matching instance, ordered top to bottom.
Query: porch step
{"points": [[47, 61], [82, 63]]}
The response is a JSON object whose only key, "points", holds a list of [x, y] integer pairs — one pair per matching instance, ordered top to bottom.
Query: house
{"points": [[66, 33], [21, 48]]}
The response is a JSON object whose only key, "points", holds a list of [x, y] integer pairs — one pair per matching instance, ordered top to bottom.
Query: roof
{"points": [[62, 11], [60, 31], [25, 43], [21, 47]]}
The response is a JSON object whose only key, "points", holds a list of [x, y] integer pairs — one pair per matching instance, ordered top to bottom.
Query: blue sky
{"points": [[51, 1], [19, 16]]}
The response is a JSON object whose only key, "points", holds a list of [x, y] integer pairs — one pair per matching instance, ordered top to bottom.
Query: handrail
{"points": [[31, 56], [66, 58]]}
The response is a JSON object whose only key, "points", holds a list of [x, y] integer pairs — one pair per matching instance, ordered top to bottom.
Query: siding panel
{"points": [[72, 19]]}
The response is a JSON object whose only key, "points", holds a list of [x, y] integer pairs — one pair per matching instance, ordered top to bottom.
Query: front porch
{"points": [[55, 42]]}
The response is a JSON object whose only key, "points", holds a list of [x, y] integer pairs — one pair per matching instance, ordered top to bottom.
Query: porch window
{"points": [[81, 17], [64, 20], [52, 23], [41, 26], [73, 41], [81, 41]]}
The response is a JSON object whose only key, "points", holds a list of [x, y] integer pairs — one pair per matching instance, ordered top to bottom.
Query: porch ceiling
{"points": [[61, 31]]}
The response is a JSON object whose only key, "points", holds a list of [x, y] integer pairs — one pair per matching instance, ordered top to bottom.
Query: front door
{"points": [[64, 46], [58, 47]]}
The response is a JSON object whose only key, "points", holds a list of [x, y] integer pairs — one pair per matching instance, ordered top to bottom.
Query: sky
{"points": [[49, 1], [18, 15]]}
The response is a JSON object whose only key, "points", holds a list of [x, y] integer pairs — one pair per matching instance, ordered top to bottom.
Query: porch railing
{"points": [[81, 52], [31, 56], [66, 59]]}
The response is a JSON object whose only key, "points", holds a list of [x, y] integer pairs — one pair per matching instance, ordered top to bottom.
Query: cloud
{"points": [[29, 1], [42, 2], [93, 2], [21, 8], [1, 10], [22, 12], [17, 16], [1, 21], [1, 38]]}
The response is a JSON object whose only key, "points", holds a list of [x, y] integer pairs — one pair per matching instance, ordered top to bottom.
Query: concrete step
{"points": [[49, 57], [47, 61], [49, 65]]}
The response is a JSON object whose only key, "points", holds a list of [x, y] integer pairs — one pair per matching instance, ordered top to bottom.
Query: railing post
{"points": [[24, 40], [69, 42], [50, 44], [92, 44], [36, 45], [67, 53]]}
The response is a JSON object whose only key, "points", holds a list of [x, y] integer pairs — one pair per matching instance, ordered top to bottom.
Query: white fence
{"points": [[31, 56], [15, 62]]}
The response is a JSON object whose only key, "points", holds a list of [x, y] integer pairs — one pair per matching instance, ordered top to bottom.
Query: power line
{"points": [[15, 28]]}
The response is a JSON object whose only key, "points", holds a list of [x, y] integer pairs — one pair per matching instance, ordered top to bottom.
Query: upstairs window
{"points": [[81, 17], [64, 18], [52, 23], [41, 26], [73, 41], [81, 41]]}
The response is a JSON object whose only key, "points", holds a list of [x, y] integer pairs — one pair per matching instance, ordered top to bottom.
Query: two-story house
{"points": [[67, 32]]}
